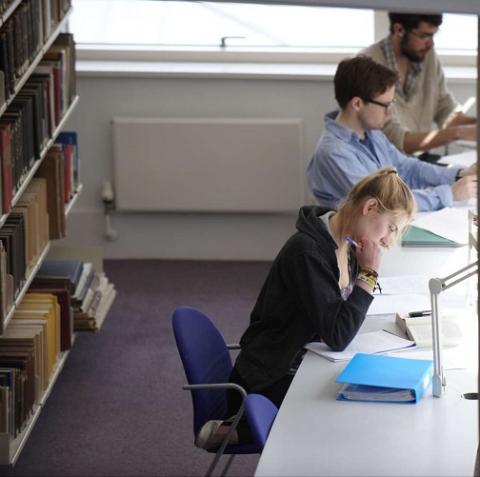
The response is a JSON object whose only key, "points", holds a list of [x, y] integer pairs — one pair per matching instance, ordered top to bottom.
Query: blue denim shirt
{"points": [[340, 160]]}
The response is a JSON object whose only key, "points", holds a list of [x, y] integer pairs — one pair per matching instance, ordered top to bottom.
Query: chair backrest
{"points": [[205, 359], [261, 413]]}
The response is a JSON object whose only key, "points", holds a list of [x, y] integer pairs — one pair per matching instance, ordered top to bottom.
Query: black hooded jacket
{"points": [[300, 301]]}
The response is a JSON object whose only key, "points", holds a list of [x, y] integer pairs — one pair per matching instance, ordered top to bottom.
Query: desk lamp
{"points": [[436, 286]]}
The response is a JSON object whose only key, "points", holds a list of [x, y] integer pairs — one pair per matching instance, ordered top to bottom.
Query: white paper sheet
{"points": [[463, 159], [451, 223], [402, 285], [403, 303], [371, 342]]}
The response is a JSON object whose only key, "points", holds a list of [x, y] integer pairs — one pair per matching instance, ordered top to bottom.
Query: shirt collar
{"points": [[414, 69], [339, 130]]}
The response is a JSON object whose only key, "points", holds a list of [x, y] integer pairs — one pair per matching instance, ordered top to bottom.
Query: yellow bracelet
{"points": [[368, 279]]}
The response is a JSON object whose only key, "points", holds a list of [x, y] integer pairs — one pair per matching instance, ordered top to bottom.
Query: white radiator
{"points": [[211, 165]]}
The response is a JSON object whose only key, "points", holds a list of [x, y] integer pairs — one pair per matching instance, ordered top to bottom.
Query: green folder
{"points": [[416, 237]]}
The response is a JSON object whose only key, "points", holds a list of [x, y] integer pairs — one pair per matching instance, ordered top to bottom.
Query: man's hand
{"points": [[468, 132], [472, 170], [465, 188]]}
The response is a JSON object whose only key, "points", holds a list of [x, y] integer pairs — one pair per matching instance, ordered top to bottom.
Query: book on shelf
{"points": [[68, 141], [6, 166], [53, 170], [33, 205], [12, 234], [69, 269], [62, 292], [91, 292], [44, 308], [92, 312], [419, 329], [34, 331], [23, 360], [9, 377], [374, 377]]}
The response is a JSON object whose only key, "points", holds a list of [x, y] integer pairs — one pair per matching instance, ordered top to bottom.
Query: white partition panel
{"points": [[208, 165]]}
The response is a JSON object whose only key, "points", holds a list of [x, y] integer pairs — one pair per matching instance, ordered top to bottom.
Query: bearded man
{"points": [[425, 115]]}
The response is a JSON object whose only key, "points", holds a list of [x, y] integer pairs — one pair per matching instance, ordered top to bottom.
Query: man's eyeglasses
{"points": [[422, 35], [388, 106]]}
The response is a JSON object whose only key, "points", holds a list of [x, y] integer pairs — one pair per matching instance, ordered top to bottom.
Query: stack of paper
{"points": [[373, 342]]}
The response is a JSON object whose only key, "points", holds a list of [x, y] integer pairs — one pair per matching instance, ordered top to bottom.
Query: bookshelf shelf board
{"points": [[36, 61], [37, 163], [73, 200], [25, 286], [55, 374], [9, 455]]}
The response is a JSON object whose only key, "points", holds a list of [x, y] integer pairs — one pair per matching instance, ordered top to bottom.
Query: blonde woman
{"points": [[319, 288]]}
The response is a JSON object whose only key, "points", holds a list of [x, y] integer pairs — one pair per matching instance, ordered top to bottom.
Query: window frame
{"points": [[238, 54]]}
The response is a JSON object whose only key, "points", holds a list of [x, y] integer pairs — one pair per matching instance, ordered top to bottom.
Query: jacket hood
{"points": [[308, 222]]}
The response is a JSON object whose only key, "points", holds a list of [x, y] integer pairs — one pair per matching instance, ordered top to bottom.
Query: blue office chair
{"points": [[207, 364], [260, 412]]}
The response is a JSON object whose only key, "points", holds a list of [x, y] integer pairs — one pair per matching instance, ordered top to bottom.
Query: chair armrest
{"points": [[233, 346], [193, 387], [236, 418]]}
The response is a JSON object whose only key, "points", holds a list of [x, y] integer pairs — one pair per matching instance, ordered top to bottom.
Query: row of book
{"points": [[22, 37], [32, 117], [61, 169], [37, 218], [23, 238], [65, 296], [29, 352]]}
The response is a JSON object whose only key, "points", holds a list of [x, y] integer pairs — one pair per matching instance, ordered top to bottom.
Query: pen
{"points": [[351, 241], [418, 314]]}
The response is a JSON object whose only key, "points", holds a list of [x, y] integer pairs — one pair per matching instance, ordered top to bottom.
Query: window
{"points": [[204, 24], [154, 25], [448, 38]]}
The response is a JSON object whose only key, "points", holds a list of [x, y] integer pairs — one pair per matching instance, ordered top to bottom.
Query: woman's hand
{"points": [[369, 254]]}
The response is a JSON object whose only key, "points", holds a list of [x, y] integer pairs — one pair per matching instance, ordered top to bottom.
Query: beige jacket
{"points": [[429, 104]]}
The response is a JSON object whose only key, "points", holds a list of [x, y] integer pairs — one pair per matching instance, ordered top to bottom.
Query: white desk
{"points": [[314, 434]]}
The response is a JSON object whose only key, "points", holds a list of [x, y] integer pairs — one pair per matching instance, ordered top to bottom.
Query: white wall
{"points": [[189, 236]]}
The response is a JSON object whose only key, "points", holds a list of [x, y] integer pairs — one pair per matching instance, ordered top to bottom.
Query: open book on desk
{"points": [[443, 228], [417, 237], [419, 329], [372, 342], [371, 377]]}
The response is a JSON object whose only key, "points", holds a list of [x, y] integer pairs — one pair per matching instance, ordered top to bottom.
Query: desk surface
{"points": [[314, 434]]}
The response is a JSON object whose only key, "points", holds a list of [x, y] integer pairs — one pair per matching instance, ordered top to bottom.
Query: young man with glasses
{"points": [[422, 97], [353, 145]]}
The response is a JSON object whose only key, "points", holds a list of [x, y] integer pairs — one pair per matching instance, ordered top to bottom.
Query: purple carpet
{"points": [[117, 408]]}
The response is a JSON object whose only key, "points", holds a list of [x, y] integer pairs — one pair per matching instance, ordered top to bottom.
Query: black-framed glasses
{"points": [[423, 35], [388, 106]]}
